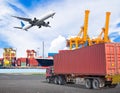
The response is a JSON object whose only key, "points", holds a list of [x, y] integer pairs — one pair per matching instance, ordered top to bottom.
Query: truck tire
{"points": [[48, 79], [55, 80], [61, 80], [88, 83], [95, 84]]}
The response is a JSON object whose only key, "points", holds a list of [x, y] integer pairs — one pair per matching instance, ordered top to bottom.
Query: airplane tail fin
{"points": [[22, 25]]}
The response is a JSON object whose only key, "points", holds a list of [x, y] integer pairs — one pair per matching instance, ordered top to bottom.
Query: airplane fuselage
{"points": [[36, 22]]}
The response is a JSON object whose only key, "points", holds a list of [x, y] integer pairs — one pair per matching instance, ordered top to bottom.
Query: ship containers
{"points": [[52, 54], [1, 62], [18, 62], [22, 62], [32, 62], [99, 65]]}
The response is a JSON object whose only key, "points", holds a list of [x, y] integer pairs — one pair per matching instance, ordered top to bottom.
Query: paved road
{"points": [[37, 84]]}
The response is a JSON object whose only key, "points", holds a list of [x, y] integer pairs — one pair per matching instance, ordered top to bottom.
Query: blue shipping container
{"points": [[51, 54]]}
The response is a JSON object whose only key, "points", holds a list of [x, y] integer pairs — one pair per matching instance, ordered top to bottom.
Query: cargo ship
{"points": [[45, 61]]}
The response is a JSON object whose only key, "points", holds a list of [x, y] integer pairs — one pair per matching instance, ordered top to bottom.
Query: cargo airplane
{"points": [[35, 22]]}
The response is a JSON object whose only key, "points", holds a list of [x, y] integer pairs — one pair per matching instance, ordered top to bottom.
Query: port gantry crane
{"points": [[82, 36], [103, 36], [31, 53], [9, 56]]}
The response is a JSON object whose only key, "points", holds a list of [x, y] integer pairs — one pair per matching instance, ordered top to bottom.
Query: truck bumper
{"points": [[115, 78]]}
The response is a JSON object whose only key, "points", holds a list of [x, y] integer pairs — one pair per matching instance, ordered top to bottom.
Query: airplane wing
{"points": [[21, 18], [18, 27]]}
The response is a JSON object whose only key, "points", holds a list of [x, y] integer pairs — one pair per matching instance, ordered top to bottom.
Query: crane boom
{"points": [[85, 25], [82, 36], [103, 36], [106, 39]]}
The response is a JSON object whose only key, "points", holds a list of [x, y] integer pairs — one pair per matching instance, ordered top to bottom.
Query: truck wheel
{"points": [[48, 79], [56, 80], [60, 81], [88, 83], [95, 84], [112, 85]]}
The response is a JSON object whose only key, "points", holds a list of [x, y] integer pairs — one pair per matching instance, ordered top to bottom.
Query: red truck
{"points": [[97, 65]]}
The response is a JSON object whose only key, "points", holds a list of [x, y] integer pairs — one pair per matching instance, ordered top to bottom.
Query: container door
{"points": [[117, 47], [113, 59]]}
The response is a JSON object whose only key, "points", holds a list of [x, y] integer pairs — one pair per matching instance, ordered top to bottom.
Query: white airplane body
{"points": [[35, 22]]}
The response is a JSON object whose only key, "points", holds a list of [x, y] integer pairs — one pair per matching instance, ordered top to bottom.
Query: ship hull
{"points": [[45, 62]]}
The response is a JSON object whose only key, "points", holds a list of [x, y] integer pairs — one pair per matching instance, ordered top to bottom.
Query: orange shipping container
{"points": [[100, 59], [21, 60], [18, 62], [33, 62]]}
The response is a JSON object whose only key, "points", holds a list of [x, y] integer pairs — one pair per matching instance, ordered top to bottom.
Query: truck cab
{"points": [[49, 74]]}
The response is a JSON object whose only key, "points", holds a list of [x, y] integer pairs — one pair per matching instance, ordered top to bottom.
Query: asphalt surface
{"points": [[16, 83]]}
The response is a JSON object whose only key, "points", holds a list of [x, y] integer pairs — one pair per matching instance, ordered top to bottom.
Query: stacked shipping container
{"points": [[1, 61], [22, 62], [27, 62], [32, 62]]}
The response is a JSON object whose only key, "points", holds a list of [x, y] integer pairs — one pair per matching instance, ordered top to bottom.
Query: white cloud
{"points": [[4, 8], [67, 21], [58, 44], [1, 52]]}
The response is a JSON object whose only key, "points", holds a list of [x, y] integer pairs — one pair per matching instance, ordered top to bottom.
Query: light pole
{"points": [[43, 48]]}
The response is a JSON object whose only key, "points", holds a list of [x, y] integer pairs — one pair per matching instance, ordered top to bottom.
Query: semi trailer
{"points": [[98, 65]]}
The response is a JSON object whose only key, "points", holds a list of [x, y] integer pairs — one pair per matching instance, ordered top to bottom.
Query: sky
{"points": [[66, 22]]}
